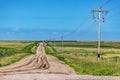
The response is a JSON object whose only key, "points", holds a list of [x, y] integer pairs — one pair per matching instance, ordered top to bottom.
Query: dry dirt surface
{"points": [[44, 67]]}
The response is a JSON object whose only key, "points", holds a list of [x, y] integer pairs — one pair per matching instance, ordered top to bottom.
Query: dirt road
{"points": [[44, 67]]}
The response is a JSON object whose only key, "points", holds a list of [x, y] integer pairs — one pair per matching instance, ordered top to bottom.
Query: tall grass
{"points": [[15, 44], [87, 44], [28, 48], [8, 51], [11, 55], [12, 59], [83, 59], [84, 66]]}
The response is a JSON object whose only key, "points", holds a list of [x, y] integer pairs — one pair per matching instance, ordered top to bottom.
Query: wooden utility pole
{"points": [[99, 11], [62, 43]]}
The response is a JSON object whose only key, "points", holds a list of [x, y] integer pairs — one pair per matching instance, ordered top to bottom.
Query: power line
{"points": [[107, 2], [113, 15], [84, 21], [90, 28], [76, 29]]}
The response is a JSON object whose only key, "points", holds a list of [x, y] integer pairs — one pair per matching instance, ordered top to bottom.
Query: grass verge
{"points": [[11, 55], [12, 59], [83, 66]]}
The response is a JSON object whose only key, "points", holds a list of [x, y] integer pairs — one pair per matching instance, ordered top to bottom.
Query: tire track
{"points": [[38, 61]]}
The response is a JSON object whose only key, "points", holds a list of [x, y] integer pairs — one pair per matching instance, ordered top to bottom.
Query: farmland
{"points": [[13, 51], [82, 56]]}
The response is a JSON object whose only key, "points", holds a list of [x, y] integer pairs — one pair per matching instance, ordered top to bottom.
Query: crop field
{"points": [[13, 51], [82, 56]]}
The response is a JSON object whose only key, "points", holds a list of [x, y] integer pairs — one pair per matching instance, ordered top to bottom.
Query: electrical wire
{"points": [[104, 4], [113, 15], [84, 21], [76, 29]]}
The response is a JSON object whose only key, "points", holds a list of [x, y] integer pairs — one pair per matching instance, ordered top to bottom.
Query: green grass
{"points": [[14, 44], [86, 44], [29, 48], [8, 51], [89, 52], [9, 55], [83, 58], [12, 59], [84, 66]]}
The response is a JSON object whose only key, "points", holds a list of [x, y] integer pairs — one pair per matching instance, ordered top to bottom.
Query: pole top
{"points": [[100, 10]]}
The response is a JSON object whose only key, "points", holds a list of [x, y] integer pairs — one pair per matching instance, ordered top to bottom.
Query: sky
{"points": [[51, 19]]}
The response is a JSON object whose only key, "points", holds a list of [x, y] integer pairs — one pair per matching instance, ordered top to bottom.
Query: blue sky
{"points": [[49, 19]]}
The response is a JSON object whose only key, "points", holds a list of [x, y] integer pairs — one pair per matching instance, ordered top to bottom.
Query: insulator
{"points": [[103, 19]]}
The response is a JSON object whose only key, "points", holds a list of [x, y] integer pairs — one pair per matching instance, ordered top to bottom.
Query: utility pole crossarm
{"points": [[100, 10]]}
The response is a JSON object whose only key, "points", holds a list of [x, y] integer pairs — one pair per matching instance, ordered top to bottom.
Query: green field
{"points": [[13, 51], [82, 56]]}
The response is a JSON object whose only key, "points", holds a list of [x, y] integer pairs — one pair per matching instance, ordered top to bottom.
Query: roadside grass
{"points": [[15, 44], [86, 44], [31, 48], [8, 51], [89, 52], [11, 55], [12, 59], [84, 60], [93, 68]]}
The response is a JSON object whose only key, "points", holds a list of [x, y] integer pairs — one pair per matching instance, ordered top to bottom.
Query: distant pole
{"points": [[99, 11], [53, 42], [62, 43]]}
